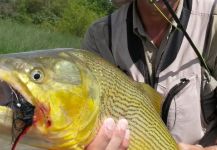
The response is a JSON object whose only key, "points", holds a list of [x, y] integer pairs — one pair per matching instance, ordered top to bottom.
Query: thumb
{"points": [[103, 137]]}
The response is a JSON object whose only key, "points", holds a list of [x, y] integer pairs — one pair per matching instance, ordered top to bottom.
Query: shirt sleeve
{"points": [[96, 39], [89, 42]]}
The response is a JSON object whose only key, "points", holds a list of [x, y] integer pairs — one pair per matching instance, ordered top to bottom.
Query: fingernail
{"points": [[122, 124], [109, 125], [199, 145]]}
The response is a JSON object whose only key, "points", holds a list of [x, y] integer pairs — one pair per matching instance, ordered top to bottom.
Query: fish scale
{"points": [[139, 116]]}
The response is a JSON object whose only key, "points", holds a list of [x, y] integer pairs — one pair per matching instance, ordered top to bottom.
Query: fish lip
{"points": [[5, 94], [10, 97], [23, 111]]}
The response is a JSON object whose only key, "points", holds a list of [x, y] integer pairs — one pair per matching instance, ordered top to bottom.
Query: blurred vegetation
{"points": [[71, 16], [16, 37]]}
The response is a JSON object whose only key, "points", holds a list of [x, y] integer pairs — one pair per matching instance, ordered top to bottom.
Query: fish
{"points": [[57, 99]]}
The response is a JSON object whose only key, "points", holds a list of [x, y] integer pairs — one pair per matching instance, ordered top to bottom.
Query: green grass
{"points": [[16, 37]]}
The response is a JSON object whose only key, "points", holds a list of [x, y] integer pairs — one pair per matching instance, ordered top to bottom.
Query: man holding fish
{"points": [[152, 45]]}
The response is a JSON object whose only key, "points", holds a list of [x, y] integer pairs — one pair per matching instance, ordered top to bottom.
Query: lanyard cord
{"points": [[180, 27]]}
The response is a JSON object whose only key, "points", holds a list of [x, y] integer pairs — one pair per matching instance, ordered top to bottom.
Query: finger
{"points": [[118, 135], [104, 136], [126, 141], [183, 146]]}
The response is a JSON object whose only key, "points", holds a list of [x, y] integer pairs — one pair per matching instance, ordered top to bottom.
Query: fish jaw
{"points": [[5, 121], [76, 127]]}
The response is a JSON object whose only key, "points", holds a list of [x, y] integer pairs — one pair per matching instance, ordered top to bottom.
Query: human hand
{"points": [[111, 136], [195, 147]]}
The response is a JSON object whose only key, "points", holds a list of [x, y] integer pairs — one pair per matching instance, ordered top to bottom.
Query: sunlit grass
{"points": [[16, 37]]}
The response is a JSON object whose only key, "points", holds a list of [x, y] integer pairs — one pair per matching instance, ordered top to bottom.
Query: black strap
{"points": [[110, 32], [174, 42], [135, 47], [171, 50], [200, 57], [210, 138]]}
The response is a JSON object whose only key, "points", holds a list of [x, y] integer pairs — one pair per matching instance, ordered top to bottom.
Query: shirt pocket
{"points": [[181, 100]]}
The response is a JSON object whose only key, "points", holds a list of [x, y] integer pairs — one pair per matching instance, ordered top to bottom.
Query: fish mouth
{"points": [[22, 110]]}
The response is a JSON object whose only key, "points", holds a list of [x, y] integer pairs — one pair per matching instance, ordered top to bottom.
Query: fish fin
{"points": [[155, 97]]}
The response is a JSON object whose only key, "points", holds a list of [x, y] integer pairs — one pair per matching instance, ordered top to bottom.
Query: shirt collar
{"points": [[178, 12], [137, 24]]}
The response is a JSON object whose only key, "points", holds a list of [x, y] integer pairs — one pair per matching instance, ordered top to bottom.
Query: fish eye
{"points": [[37, 75]]}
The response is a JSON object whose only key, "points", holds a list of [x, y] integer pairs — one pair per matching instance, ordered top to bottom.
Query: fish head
{"points": [[55, 97]]}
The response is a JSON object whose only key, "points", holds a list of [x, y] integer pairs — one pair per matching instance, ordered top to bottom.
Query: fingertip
{"points": [[109, 122], [122, 125], [109, 126], [199, 145], [183, 146]]}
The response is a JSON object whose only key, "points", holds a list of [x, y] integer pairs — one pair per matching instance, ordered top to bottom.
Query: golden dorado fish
{"points": [[57, 99]]}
